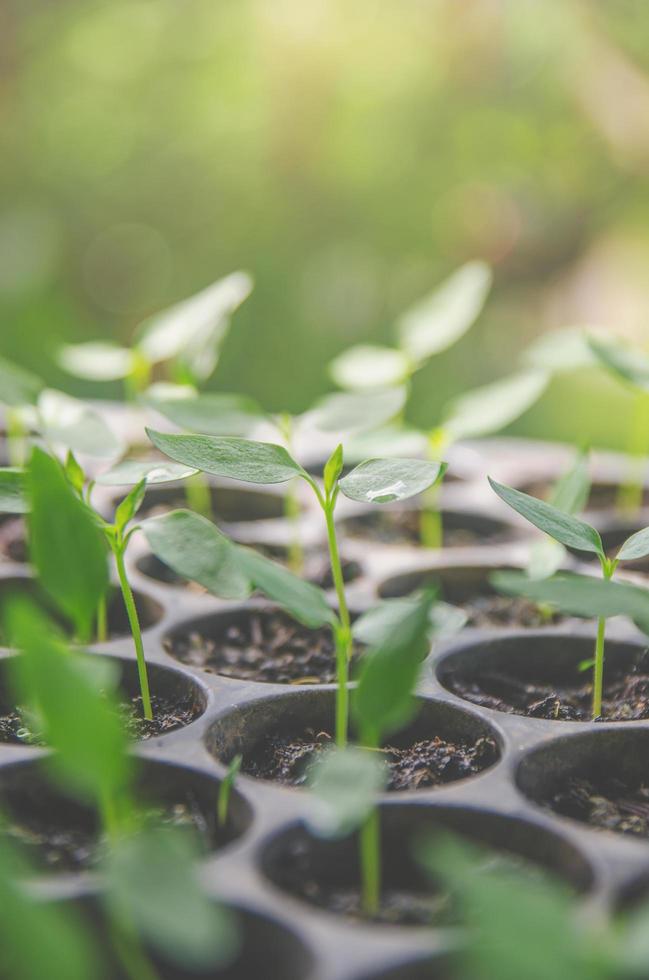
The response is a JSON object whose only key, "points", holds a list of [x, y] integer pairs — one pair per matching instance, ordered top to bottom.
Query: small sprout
{"points": [[579, 598], [225, 790]]}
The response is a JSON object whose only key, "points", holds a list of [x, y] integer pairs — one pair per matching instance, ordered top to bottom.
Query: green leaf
{"points": [[441, 318], [194, 325], [560, 351], [97, 360], [627, 363], [368, 366], [17, 386], [494, 406], [355, 411], [210, 414], [73, 424], [387, 441], [238, 459], [333, 468], [132, 471], [74, 472], [380, 481], [571, 491], [13, 499], [129, 506], [565, 528], [66, 545], [637, 546], [195, 549], [546, 557], [579, 595], [304, 601], [373, 625], [383, 700], [80, 719], [345, 785], [225, 789], [153, 887], [64, 949]]}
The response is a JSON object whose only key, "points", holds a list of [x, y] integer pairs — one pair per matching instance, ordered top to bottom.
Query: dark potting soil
{"points": [[403, 527], [487, 611], [265, 646], [625, 697], [168, 715], [428, 762], [608, 804], [65, 839], [397, 906]]}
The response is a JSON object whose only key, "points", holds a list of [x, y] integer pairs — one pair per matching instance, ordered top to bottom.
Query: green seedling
{"points": [[187, 338], [19, 391], [234, 415], [377, 481], [569, 494], [573, 533], [347, 782], [225, 790]]}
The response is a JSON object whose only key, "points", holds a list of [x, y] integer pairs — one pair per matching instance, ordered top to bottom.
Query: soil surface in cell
{"points": [[404, 527], [13, 543], [316, 568], [489, 611], [263, 646], [625, 696], [17, 728], [286, 758], [607, 803], [65, 839]]}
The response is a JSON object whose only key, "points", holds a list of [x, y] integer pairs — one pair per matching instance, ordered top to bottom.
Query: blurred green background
{"points": [[349, 154]]}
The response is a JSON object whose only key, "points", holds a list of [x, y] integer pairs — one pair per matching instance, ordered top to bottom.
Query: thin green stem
{"points": [[16, 438], [198, 495], [629, 497], [292, 515], [430, 520], [102, 620], [134, 623], [598, 669], [342, 693], [370, 856], [128, 948]]}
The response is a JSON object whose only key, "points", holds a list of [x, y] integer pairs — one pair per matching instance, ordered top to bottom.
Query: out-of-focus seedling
{"points": [[187, 337], [19, 391], [377, 481], [569, 494], [576, 534], [225, 790]]}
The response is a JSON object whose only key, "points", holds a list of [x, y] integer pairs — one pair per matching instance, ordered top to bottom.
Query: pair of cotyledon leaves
{"points": [[577, 594]]}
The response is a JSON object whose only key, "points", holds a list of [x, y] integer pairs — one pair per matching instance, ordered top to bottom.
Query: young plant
{"points": [[187, 338], [19, 391], [377, 481], [577, 535], [347, 783], [225, 790]]}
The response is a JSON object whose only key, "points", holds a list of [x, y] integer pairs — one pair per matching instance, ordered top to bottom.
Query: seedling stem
{"points": [[197, 492], [629, 497], [291, 504], [118, 546], [608, 568], [102, 621], [343, 631]]}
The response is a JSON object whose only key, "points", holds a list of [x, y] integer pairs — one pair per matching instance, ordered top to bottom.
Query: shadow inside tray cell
{"points": [[401, 525], [13, 541], [468, 587], [149, 611], [544, 674], [176, 699], [278, 738], [598, 778], [57, 834], [326, 873]]}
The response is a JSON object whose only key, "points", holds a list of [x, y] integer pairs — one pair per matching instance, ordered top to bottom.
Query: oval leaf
{"points": [[445, 315], [559, 351], [97, 361], [627, 363], [367, 366], [17, 386], [492, 407], [353, 411], [211, 414], [73, 424], [387, 441], [238, 459], [133, 471], [380, 481], [571, 491], [13, 499], [562, 527], [66, 546], [637, 546], [195, 549], [579, 595], [304, 601], [372, 626], [345, 784]]}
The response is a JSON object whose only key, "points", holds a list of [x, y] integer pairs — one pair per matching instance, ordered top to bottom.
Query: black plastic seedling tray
{"points": [[503, 806]]}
